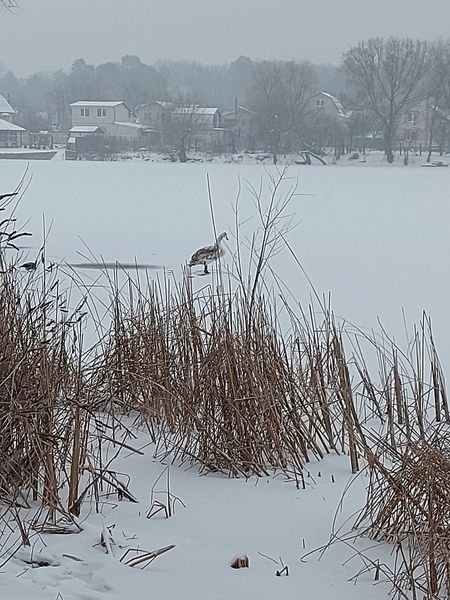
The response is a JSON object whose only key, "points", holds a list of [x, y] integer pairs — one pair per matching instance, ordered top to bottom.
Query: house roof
{"points": [[96, 104], [164, 104], [338, 104], [5, 106], [183, 109], [195, 110], [231, 113], [441, 113], [128, 124], [7, 126], [86, 129]]}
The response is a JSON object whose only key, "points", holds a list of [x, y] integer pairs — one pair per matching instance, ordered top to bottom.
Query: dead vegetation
{"points": [[235, 377], [408, 505]]}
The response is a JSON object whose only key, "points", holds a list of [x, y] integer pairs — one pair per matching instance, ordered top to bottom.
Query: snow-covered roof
{"points": [[91, 103], [164, 104], [338, 104], [5, 106], [187, 109], [195, 110], [231, 113], [441, 113], [128, 124], [7, 126], [85, 129]]}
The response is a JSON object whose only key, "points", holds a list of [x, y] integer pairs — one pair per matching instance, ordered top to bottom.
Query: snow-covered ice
{"points": [[377, 239], [221, 517]]}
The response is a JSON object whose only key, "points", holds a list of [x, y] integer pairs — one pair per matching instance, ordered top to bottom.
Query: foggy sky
{"points": [[44, 35]]}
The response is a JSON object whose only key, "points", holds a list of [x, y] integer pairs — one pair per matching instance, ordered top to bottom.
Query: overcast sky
{"points": [[44, 35]]}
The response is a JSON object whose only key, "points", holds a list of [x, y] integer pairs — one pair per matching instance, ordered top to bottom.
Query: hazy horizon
{"points": [[45, 35]]}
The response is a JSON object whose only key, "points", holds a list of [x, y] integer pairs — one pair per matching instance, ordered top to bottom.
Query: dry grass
{"points": [[220, 387], [42, 388], [408, 505]]}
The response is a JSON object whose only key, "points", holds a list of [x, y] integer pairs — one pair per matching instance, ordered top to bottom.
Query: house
{"points": [[324, 103], [7, 112], [202, 117], [157, 118], [113, 119], [328, 122], [167, 123], [415, 123], [424, 123], [204, 124], [240, 124], [11, 135], [440, 135]]}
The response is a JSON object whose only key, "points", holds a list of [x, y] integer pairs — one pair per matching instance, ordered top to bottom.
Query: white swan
{"points": [[209, 254]]}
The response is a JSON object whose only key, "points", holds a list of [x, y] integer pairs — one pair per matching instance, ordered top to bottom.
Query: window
{"points": [[320, 102], [84, 112], [101, 112], [411, 117], [411, 135], [9, 139]]}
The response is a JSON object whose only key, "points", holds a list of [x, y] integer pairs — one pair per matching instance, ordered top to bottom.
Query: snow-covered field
{"points": [[377, 239], [221, 518]]}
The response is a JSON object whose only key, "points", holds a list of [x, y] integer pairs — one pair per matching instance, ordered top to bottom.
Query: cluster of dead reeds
{"points": [[219, 386], [43, 393], [403, 434], [408, 505]]}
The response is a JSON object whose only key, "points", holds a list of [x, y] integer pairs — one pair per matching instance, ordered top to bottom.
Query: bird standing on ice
{"points": [[209, 254]]}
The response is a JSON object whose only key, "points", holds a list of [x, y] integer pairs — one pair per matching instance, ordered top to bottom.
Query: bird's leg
{"points": [[206, 272]]}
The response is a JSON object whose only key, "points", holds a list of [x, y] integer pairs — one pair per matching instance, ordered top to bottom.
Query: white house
{"points": [[328, 104], [7, 112], [203, 117], [111, 118], [167, 123], [11, 135]]}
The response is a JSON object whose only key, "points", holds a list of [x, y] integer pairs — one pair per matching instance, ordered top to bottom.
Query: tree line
{"points": [[378, 81], [136, 82]]}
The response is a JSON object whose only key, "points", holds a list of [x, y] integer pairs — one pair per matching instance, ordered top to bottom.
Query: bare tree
{"points": [[9, 4], [440, 69], [389, 75], [299, 83], [439, 89], [280, 97], [267, 104], [184, 121], [362, 122], [324, 131]]}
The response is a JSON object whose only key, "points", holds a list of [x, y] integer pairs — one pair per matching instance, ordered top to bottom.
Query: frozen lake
{"points": [[375, 237]]}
